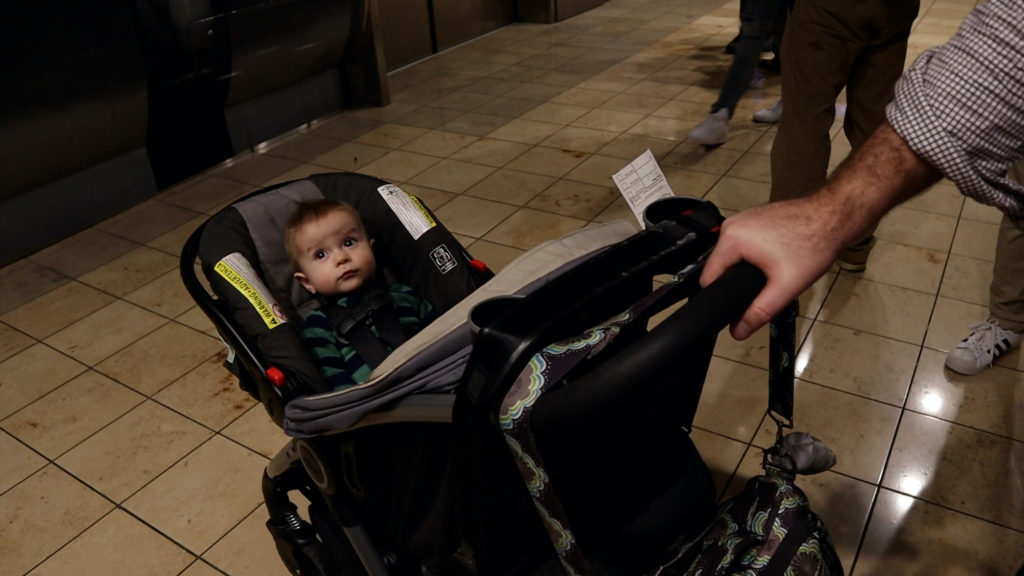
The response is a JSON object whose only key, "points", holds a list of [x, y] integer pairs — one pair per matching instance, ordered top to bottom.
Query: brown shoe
{"points": [[855, 257]]}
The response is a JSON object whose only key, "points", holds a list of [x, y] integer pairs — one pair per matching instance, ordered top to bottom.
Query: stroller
{"points": [[538, 426]]}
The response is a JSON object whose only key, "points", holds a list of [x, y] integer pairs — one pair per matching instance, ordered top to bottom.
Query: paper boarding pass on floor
{"points": [[641, 183]]}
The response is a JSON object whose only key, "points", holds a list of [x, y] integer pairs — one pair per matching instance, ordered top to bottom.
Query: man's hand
{"points": [[789, 241]]}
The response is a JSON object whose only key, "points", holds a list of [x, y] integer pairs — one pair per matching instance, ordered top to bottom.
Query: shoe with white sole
{"points": [[771, 114], [714, 130], [978, 351]]}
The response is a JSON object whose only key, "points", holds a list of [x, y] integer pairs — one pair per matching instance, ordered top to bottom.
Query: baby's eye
{"points": [[349, 242], [319, 254]]}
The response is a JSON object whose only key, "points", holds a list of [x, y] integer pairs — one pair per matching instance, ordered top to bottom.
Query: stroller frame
{"points": [[507, 332]]}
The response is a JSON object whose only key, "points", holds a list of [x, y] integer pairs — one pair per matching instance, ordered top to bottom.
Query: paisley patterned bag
{"points": [[768, 529]]}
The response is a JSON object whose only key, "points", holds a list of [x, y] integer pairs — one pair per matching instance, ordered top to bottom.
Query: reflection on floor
{"points": [[128, 450]]}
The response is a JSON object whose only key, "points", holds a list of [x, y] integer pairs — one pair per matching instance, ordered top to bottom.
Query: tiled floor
{"points": [[128, 450]]}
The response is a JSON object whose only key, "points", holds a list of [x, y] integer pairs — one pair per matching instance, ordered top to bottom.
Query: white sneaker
{"points": [[771, 114], [714, 130], [978, 351]]}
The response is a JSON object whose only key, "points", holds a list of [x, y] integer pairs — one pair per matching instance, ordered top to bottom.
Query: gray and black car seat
{"points": [[463, 453]]}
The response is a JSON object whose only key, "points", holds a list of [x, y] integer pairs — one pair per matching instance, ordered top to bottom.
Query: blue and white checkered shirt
{"points": [[960, 106]]}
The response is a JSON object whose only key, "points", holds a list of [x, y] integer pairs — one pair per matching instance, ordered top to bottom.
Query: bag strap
{"points": [[781, 368]]}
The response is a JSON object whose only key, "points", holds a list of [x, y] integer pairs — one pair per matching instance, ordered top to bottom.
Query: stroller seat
{"points": [[411, 472]]}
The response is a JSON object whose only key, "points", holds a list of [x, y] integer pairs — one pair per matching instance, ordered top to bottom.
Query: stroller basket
{"points": [[421, 469]]}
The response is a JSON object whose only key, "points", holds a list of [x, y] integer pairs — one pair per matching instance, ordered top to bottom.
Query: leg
{"points": [[756, 23], [819, 51], [1006, 293]]}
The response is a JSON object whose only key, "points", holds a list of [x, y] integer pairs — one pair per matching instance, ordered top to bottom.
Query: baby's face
{"points": [[335, 255]]}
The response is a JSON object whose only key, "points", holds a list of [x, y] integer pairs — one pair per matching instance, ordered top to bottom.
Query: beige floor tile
{"points": [[657, 89], [583, 97], [463, 100], [634, 103], [508, 106], [682, 110], [555, 113], [429, 117], [476, 123], [661, 127], [525, 131], [391, 136], [579, 139], [439, 143], [301, 146], [630, 146], [490, 152], [350, 156], [691, 156], [547, 161], [399, 165], [756, 167], [256, 169], [598, 170], [452, 176], [689, 182], [510, 186], [205, 194], [738, 194], [429, 197], [942, 198], [575, 199], [618, 210], [974, 210], [473, 216], [146, 221], [527, 228], [917, 228], [976, 239], [173, 241], [494, 255], [75, 256], [905, 266], [130, 271], [967, 279], [166, 295], [877, 308], [57, 309], [195, 318], [951, 322], [12, 341], [160, 357], [857, 362], [32, 373], [209, 394], [734, 400], [992, 401], [66, 416], [857, 429], [256, 431], [134, 449], [721, 454], [20, 462], [968, 470], [203, 496], [43, 513], [909, 536], [118, 544], [236, 553], [201, 568]]}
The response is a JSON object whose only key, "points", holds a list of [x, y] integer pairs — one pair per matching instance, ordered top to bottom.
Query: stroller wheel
{"points": [[315, 560]]}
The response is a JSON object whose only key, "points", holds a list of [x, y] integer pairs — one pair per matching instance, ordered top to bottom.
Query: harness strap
{"points": [[354, 326]]}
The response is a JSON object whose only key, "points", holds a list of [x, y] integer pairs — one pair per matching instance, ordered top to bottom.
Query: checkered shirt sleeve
{"points": [[960, 106]]}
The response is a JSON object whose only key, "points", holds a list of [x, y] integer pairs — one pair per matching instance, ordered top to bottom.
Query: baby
{"points": [[333, 259]]}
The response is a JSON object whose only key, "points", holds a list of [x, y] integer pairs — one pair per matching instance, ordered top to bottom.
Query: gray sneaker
{"points": [[771, 114], [714, 130], [855, 258], [978, 351]]}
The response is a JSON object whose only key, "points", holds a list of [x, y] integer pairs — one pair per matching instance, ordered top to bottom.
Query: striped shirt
{"points": [[960, 106], [339, 362]]}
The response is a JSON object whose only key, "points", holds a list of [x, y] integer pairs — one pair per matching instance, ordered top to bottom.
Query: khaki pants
{"points": [[828, 45], [1006, 294]]}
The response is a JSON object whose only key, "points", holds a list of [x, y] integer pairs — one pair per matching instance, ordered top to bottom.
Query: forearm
{"points": [[882, 174]]}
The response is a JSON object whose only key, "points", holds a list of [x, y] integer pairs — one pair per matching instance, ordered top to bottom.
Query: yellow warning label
{"points": [[409, 210], [236, 270]]}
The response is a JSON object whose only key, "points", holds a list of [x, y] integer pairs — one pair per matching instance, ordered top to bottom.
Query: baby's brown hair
{"points": [[310, 211]]}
